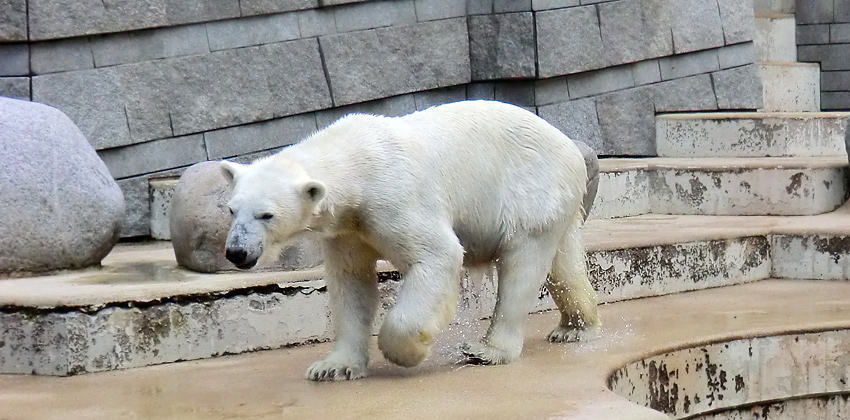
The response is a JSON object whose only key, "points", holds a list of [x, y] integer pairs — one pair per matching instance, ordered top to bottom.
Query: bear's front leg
{"points": [[353, 291], [425, 304]]}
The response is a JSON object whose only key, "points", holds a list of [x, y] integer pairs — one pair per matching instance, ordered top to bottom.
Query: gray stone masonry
{"points": [[262, 7], [439, 9], [814, 11], [374, 14], [51, 19], [737, 19], [13, 20], [316, 22], [696, 25], [257, 30], [812, 34], [823, 36], [501, 46], [133, 47], [562, 52], [62, 55], [736, 55], [414, 57], [15, 59], [688, 65], [600, 81], [157, 85], [15, 87], [738, 88], [685, 94], [434, 97], [92, 99], [122, 105], [392, 106], [577, 119], [243, 139], [154, 156], [137, 215]]}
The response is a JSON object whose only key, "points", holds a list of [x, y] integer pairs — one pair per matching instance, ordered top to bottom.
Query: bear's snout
{"points": [[239, 258]]}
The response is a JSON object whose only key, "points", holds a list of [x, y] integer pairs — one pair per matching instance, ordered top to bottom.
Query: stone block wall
{"points": [[823, 36], [158, 85]]}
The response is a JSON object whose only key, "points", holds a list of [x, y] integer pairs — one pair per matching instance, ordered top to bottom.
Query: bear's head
{"points": [[271, 203]]}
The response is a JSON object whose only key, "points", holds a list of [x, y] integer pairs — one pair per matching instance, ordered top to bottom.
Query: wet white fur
{"points": [[470, 182]]}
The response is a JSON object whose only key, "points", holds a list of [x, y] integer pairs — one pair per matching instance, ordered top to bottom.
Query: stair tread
{"points": [[722, 163], [88, 289]]}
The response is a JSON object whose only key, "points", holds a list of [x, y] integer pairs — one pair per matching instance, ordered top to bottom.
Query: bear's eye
{"points": [[231, 211], [265, 216]]}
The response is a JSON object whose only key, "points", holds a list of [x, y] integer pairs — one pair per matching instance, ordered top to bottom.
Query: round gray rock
{"points": [[60, 207], [199, 222]]}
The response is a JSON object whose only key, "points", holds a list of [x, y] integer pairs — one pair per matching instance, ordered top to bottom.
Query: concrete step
{"points": [[768, 7], [776, 38], [790, 87], [750, 134], [721, 186], [140, 309], [565, 381]]}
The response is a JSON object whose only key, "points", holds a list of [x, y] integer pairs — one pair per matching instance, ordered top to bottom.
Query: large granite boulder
{"points": [[60, 207], [199, 222]]}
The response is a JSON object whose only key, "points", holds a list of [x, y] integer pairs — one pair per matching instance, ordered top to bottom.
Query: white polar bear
{"points": [[473, 182]]}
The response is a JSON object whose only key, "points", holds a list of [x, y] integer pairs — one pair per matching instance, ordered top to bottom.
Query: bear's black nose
{"points": [[236, 255]]}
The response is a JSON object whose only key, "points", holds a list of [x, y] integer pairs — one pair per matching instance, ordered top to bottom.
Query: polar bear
{"points": [[466, 183]]}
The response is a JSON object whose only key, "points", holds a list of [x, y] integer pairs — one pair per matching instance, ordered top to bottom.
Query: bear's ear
{"points": [[231, 170], [314, 191]]}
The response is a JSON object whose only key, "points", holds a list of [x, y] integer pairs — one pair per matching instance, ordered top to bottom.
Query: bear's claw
{"points": [[570, 334], [482, 354], [324, 370]]}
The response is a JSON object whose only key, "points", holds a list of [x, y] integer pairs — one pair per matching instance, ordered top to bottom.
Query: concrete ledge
{"points": [[751, 134]]}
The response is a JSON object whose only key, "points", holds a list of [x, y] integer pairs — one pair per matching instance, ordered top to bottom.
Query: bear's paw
{"points": [[571, 334], [480, 353], [325, 370]]}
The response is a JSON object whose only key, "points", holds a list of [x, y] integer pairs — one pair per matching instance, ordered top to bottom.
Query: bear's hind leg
{"points": [[522, 268], [571, 289], [353, 291]]}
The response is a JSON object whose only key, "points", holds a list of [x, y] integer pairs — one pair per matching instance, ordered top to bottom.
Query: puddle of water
{"points": [[136, 273]]}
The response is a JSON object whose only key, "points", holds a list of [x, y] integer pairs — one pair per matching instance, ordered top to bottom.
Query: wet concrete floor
{"points": [[550, 381]]}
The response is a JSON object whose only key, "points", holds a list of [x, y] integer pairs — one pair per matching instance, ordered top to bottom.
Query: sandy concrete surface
{"points": [[550, 380]]}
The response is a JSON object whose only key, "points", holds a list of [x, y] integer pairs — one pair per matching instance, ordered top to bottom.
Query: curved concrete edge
{"points": [[739, 372], [822, 406]]}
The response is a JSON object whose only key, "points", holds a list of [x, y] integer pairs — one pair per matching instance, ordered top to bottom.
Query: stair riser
{"points": [[776, 39], [790, 88], [750, 137], [734, 192], [784, 192], [621, 194], [811, 257]]}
